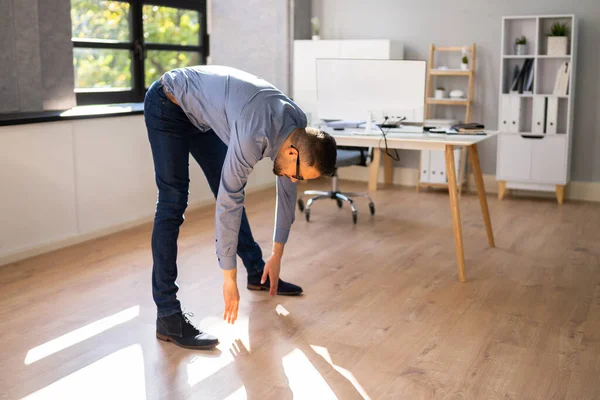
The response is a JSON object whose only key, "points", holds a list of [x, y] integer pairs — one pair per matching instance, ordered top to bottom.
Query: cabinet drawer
{"points": [[514, 157], [548, 159]]}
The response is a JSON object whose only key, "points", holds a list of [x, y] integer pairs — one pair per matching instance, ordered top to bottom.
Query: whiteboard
{"points": [[349, 89]]}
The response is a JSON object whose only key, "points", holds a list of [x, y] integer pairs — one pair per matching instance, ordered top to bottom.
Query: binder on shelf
{"points": [[523, 79], [561, 83], [515, 114], [539, 114], [552, 115]]}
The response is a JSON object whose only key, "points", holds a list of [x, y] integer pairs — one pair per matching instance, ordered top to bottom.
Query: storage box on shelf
{"points": [[535, 116]]}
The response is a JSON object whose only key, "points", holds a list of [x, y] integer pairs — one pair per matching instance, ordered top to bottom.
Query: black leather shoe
{"points": [[283, 288], [177, 328]]}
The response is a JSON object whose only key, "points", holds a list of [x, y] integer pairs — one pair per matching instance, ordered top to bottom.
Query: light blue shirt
{"points": [[253, 118]]}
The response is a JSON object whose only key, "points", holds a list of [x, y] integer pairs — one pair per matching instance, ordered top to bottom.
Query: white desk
{"points": [[427, 141]]}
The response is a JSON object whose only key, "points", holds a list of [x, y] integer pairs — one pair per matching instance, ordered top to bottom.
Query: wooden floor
{"points": [[383, 316]]}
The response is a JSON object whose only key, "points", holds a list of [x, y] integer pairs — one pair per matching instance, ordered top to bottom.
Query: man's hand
{"points": [[272, 268], [231, 295]]}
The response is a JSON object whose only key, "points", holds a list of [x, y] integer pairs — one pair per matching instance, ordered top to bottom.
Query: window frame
{"points": [[138, 49]]}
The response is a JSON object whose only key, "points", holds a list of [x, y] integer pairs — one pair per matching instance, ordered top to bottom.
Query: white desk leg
{"points": [[474, 156], [374, 172], [454, 208]]}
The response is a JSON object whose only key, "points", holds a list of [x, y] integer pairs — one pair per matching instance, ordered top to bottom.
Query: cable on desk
{"points": [[384, 137]]}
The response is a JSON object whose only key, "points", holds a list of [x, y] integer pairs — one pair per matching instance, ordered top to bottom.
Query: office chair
{"points": [[346, 156]]}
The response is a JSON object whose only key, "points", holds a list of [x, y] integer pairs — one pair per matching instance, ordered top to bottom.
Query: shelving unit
{"points": [[536, 126], [432, 169]]}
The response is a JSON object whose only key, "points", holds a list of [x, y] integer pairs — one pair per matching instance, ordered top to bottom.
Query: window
{"points": [[121, 47]]}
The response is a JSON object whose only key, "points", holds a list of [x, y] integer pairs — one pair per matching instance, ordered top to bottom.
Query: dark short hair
{"points": [[318, 149]]}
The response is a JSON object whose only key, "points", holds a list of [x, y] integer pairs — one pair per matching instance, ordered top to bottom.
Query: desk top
{"points": [[414, 141]]}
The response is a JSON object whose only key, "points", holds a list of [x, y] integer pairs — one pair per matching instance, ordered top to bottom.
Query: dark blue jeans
{"points": [[172, 139]]}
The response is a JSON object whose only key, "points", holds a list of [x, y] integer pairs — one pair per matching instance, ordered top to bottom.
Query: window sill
{"points": [[82, 112]]}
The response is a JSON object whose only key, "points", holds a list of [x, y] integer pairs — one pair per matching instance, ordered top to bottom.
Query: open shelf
{"points": [[545, 25], [515, 28], [510, 66], [547, 70], [563, 112], [526, 114]]}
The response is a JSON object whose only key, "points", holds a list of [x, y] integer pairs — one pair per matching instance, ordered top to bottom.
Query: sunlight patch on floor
{"points": [[281, 310], [81, 334], [234, 340], [323, 352], [119, 375], [305, 381], [239, 394]]}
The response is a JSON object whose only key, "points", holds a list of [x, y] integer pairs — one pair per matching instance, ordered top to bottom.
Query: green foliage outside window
{"points": [[110, 21]]}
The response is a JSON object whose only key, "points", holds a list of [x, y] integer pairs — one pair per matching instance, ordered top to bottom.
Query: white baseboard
{"points": [[584, 191], [73, 240]]}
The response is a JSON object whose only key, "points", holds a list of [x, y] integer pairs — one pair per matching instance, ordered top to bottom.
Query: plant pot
{"points": [[316, 37], [557, 46], [520, 49], [464, 67], [440, 94]]}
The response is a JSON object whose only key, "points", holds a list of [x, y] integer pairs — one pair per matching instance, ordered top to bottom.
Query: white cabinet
{"points": [[306, 52], [535, 112], [514, 152], [539, 159], [548, 159]]}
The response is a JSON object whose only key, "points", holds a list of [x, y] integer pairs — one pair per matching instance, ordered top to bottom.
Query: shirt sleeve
{"points": [[242, 154], [285, 210]]}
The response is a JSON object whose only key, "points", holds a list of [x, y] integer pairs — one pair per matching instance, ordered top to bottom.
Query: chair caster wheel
{"points": [[339, 203], [301, 204], [372, 208], [307, 213], [354, 217]]}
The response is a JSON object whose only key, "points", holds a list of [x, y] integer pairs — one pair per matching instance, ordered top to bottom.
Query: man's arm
{"points": [[239, 162], [229, 207], [285, 210], [284, 218]]}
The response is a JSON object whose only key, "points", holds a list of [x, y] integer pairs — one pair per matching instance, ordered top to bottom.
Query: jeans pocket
{"points": [[152, 108]]}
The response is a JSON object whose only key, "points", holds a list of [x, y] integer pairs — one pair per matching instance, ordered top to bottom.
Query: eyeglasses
{"points": [[297, 176]]}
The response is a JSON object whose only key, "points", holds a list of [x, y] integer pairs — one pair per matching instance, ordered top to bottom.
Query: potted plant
{"points": [[315, 28], [557, 40], [521, 46], [465, 64], [440, 92]]}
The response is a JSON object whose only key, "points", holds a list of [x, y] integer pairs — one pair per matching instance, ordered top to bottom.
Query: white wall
{"points": [[254, 36], [65, 182]]}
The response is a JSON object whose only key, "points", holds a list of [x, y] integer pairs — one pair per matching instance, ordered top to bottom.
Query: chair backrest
{"points": [[366, 154]]}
